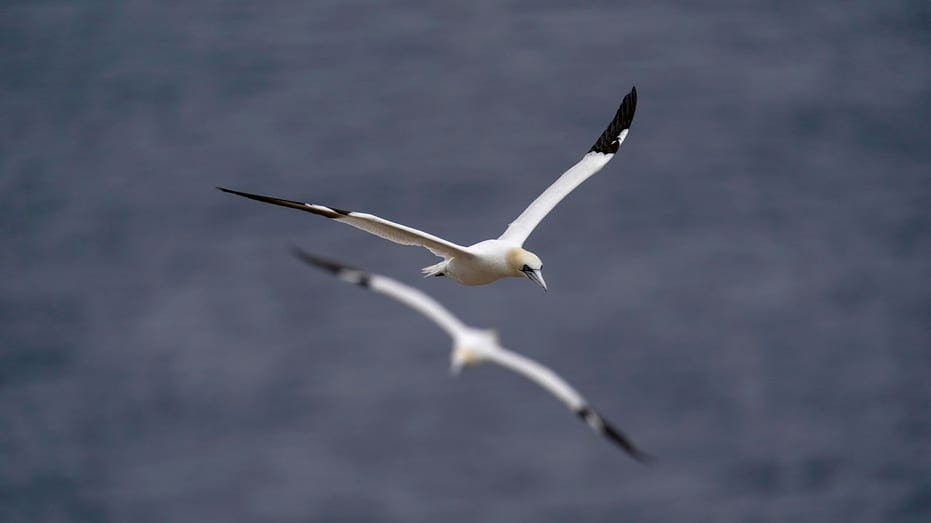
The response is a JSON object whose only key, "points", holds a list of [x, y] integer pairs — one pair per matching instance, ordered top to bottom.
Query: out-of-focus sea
{"points": [[745, 289]]}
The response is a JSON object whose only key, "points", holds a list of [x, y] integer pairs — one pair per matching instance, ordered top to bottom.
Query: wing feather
{"points": [[598, 156], [370, 223], [396, 290], [539, 374], [549, 380]]}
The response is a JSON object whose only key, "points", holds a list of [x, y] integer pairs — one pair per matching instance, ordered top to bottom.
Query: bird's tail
{"points": [[438, 269]]}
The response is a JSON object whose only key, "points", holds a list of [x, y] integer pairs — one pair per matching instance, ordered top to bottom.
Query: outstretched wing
{"points": [[598, 156], [388, 230], [409, 296], [427, 306], [551, 381]]}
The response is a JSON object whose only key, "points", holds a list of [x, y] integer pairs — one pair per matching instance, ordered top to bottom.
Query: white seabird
{"points": [[490, 260], [472, 346]]}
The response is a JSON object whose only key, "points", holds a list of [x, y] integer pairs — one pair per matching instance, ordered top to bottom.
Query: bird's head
{"points": [[526, 263], [472, 348], [462, 357]]}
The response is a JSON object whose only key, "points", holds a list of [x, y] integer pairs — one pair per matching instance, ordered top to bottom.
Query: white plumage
{"points": [[489, 260], [473, 346]]}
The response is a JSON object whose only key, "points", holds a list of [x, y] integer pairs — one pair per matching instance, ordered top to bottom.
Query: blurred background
{"points": [[744, 290]]}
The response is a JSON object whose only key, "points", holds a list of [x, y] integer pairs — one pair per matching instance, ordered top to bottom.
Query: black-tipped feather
{"points": [[608, 141], [329, 212], [345, 272], [588, 415], [597, 422]]}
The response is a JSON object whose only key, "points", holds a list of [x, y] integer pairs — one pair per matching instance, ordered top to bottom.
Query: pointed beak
{"points": [[537, 276]]}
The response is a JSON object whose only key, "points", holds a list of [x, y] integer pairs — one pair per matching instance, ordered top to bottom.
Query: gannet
{"points": [[489, 260], [472, 346]]}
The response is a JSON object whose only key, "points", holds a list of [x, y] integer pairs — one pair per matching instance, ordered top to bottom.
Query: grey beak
{"points": [[537, 276]]}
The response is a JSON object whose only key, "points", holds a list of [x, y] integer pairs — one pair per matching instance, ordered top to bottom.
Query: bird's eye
{"points": [[525, 268]]}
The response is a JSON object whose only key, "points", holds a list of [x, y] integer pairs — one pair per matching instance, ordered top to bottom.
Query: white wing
{"points": [[598, 156], [388, 230], [409, 296], [427, 306], [551, 381]]}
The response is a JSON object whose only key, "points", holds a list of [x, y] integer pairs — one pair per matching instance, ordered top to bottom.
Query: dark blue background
{"points": [[744, 289]]}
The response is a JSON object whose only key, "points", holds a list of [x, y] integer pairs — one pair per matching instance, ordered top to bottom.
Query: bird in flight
{"points": [[489, 260], [472, 346]]}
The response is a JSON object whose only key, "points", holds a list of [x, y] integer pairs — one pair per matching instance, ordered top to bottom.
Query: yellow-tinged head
{"points": [[526, 263], [472, 348], [462, 357]]}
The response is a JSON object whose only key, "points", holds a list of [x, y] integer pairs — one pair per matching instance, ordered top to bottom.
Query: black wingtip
{"points": [[608, 142], [244, 194], [321, 210], [345, 272], [598, 423], [628, 446]]}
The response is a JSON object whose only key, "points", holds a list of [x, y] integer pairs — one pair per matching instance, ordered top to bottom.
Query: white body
{"points": [[486, 262]]}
